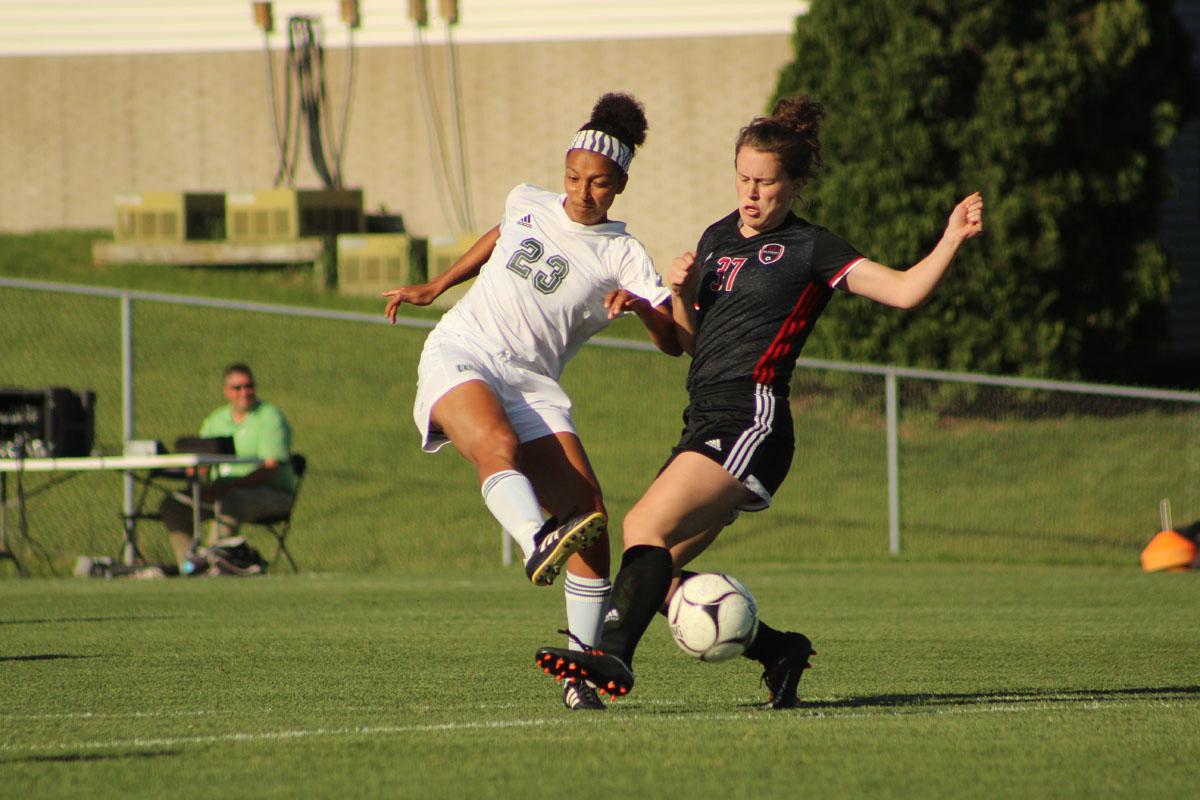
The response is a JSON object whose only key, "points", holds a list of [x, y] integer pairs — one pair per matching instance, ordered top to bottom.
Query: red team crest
{"points": [[770, 253]]}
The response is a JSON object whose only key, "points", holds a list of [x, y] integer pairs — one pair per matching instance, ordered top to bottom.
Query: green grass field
{"points": [[1013, 650], [931, 681]]}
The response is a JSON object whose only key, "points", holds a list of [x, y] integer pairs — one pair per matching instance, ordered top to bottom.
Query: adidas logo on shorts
{"points": [[526, 221], [715, 444]]}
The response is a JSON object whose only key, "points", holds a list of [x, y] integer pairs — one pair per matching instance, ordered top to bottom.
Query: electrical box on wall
{"points": [[283, 214], [169, 216], [443, 252], [370, 263]]}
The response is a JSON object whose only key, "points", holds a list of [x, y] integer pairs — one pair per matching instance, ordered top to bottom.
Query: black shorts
{"points": [[749, 433]]}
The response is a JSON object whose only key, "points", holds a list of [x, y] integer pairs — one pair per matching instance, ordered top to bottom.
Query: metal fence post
{"points": [[127, 416], [893, 462]]}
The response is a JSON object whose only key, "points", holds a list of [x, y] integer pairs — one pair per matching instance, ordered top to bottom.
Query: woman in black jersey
{"points": [[744, 303]]}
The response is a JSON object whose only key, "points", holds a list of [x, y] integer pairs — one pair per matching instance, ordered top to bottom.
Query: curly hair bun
{"points": [[620, 115], [800, 115], [792, 132]]}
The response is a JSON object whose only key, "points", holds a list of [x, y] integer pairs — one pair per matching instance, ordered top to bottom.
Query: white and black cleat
{"points": [[555, 543]]}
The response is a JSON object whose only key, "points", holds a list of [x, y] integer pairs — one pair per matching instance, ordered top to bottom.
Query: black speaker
{"points": [[46, 423]]}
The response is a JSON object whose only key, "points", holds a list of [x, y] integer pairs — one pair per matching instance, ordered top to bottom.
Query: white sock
{"points": [[510, 497], [587, 601]]}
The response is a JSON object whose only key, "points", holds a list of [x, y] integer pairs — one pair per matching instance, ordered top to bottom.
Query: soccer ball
{"points": [[712, 617]]}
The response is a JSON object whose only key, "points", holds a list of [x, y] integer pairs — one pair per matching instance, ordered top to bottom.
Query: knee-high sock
{"points": [[510, 497], [637, 593], [587, 600]]}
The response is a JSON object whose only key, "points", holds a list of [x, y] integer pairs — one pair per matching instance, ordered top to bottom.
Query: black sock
{"points": [[684, 574], [637, 593], [767, 646]]}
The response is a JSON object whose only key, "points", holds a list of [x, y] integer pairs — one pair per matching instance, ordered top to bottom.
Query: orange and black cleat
{"points": [[609, 674]]}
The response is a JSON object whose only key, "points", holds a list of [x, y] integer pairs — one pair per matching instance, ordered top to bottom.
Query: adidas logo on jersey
{"points": [[526, 221], [715, 444]]}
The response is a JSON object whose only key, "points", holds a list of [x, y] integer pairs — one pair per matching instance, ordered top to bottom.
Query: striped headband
{"points": [[604, 144]]}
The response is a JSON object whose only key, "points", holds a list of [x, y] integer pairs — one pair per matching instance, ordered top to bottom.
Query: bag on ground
{"points": [[232, 556]]}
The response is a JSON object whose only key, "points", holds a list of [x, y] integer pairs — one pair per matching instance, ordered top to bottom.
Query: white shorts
{"points": [[536, 405]]}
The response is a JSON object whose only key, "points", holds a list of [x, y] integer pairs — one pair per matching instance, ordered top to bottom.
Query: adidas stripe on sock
{"points": [[587, 600]]}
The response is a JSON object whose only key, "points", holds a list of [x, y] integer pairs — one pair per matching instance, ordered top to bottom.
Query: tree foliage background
{"points": [[1059, 112]]}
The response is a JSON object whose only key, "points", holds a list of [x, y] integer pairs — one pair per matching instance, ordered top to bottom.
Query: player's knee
{"points": [[495, 451], [640, 528]]}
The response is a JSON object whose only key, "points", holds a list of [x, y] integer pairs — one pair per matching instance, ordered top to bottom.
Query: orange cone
{"points": [[1169, 551]]}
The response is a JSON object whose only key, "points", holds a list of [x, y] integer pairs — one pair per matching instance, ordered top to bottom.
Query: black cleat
{"points": [[555, 543], [606, 672], [783, 675], [581, 696]]}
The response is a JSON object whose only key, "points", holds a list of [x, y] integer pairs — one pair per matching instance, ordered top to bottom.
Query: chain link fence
{"points": [[938, 466]]}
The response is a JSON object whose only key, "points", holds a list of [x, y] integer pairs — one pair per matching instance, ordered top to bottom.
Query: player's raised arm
{"points": [[464, 269], [909, 288]]}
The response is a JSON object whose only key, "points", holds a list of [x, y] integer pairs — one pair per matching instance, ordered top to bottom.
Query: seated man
{"points": [[239, 492]]}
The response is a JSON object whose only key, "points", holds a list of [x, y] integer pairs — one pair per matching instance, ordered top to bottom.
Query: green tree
{"points": [[1059, 112]]}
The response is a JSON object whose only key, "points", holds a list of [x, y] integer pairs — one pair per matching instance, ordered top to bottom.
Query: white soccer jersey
{"points": [[541, 294]]}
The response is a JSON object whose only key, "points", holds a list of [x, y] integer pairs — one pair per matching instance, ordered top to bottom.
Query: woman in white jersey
{"points": [[554, 272]]}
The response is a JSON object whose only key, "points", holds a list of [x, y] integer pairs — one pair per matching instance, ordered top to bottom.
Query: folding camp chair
{"points": [[280, 526]]}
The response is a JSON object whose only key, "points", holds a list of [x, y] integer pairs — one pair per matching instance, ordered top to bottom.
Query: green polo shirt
{"points": [[263, 433]]}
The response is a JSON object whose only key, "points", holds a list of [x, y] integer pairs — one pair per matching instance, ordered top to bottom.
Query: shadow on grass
{"points": [[63, 620], [44, 657], [1008, 698], [70, 758]]}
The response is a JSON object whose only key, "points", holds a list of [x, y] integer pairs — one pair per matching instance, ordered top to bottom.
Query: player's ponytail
{"points": [[616, 128], [792, 132]]}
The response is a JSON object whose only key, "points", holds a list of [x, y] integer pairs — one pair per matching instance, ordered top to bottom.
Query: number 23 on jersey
{"points": [[527, 261]]}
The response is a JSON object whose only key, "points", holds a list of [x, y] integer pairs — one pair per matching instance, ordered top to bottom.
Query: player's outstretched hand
{"points": [[966, 220], [681, 276], [422, 294], [618, 301]]}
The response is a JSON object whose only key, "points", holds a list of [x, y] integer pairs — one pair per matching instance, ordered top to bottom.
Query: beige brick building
{"points": [[117, 96]]}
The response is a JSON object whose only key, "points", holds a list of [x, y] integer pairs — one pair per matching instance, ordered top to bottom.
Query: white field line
{"points": [[813, 710], [396, 730]]}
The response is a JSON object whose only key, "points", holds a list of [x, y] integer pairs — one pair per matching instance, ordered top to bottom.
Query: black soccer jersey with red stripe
{"points": [[759, 298]]}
